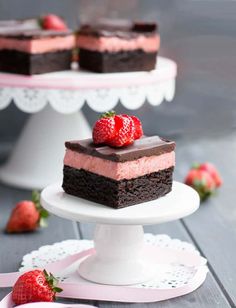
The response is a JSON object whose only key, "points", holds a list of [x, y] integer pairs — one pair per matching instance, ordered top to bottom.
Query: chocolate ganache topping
{"points": [[122, 29], [146, 146]]}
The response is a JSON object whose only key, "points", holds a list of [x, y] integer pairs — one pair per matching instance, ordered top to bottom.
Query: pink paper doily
{"points": [[180, 270]]}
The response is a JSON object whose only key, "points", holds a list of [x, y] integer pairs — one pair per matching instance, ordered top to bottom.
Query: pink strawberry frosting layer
{"points": [[115, 44], [40, 45], [117, 170]]}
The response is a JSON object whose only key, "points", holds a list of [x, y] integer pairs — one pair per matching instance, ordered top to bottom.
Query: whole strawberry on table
{"points": [[205, 179], [27, 215], [35, 286]]}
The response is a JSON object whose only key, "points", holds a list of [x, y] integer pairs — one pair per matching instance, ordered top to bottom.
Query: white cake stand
{"points": [[56, 100], [120, 257]]}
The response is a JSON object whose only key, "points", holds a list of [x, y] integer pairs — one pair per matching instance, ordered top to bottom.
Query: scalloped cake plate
{"points": [[166, 69]]}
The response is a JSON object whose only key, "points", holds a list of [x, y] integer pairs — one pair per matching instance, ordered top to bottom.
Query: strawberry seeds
{"points": [[117, 130]]}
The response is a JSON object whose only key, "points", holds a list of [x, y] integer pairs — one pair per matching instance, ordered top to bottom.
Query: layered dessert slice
{"points": [[118, 47], [35, 51], [119, 177]]}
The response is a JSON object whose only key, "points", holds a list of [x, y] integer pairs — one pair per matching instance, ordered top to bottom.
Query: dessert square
{"points": [[118, 47], [35, 51], [119, 177]]}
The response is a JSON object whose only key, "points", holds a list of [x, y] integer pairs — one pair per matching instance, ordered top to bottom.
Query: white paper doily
{"points": [[68, 91], [170, 275]]}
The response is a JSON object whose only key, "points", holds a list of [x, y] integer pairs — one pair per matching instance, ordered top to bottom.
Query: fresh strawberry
{"points": [[53, 22], [104, 129], [117, 130], [124, 131], [138, 132], [211, 169], [202, 182], [27, 216], [35, 286]]}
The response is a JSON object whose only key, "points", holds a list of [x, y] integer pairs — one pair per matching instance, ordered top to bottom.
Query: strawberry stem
{"points": [[40, 22], [108, 114], [195, 165], [201, 187], [42, 212], [52, 281]]}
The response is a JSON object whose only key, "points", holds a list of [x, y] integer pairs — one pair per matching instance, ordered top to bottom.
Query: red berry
{"points": [[53, 22], [104, 129], [117, 130], [124, 131], [138, 132], [211, 169], [202, 182], [27, 216], [24, 217], [35, 286]]}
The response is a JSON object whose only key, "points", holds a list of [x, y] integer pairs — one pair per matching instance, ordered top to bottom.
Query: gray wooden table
{"points": [[212, 228]]}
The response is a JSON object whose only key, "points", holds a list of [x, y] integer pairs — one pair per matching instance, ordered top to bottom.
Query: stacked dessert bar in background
{"points": [[108, 47], [27, 49], [35, 51], [119, 177]]}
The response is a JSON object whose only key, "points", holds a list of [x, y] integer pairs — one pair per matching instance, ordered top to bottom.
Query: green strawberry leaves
{"points": [[108, 114], [204, 191], [42, 212], [52, 281]]}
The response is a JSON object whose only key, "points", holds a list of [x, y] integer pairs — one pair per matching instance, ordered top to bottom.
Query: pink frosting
{"points": [[115, 44], [39, 45], [118, 170]]}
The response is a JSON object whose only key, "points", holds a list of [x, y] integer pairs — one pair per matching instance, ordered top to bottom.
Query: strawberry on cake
{"points": [[30, 49], [119, 167]]}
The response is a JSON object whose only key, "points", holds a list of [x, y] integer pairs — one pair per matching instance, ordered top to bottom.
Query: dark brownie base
{"points": [[12, 61], [124, 61], [116, 194]]}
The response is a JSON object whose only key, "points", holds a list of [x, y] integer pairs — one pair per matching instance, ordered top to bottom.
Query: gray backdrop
{"points": [[199, 35]]}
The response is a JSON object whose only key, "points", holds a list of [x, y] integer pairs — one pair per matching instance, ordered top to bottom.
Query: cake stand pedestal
{"points": [[56, 100], [37, 156], [120, 257]]}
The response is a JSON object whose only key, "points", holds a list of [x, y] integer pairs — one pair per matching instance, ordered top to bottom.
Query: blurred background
{"points": [[198, 35]]}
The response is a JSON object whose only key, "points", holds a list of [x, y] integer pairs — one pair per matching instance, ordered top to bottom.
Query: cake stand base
{"points": [[37, 158], [119, 257], [179, 270]]}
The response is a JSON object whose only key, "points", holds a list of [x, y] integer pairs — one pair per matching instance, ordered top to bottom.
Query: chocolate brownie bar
{"points": [[107, 48], [35, 51], [119, 177]]}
